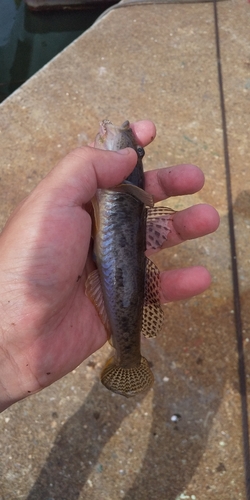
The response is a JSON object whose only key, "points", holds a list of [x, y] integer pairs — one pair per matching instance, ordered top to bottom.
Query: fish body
{"points": [[120, 256], [120, 288]]}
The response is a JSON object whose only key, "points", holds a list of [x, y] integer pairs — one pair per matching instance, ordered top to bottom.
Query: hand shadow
{"points": [[188, 390], [79, 444]]}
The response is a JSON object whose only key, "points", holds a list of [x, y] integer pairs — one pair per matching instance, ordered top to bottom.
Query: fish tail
{"points": [[127, 381]]}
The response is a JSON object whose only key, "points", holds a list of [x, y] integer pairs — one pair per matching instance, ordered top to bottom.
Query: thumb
{"points": [[83, 170]]}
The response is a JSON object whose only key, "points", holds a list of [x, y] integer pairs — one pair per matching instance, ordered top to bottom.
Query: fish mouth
{"points": [[105, 125], [107, 131]]}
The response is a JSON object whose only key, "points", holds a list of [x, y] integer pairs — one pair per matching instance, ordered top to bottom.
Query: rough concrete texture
{"points": [[75, 440]]}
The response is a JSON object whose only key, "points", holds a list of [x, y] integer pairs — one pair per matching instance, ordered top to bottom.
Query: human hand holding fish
{"points": [[48, 324]]}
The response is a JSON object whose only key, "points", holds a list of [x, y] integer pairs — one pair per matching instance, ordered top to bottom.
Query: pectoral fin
{"points": [[135, 191], [95, 217], [158, 226], [93, 290], [152, 318]]}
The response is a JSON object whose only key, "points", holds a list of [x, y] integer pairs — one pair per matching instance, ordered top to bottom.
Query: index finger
{"points": [[171, 181], [174, 181]]}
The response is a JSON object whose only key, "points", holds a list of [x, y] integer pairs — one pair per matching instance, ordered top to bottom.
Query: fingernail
{"points": [[125, 151]]}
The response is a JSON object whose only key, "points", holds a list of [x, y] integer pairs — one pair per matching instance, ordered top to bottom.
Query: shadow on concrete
{"points": [[192, 360], [174, 450]]}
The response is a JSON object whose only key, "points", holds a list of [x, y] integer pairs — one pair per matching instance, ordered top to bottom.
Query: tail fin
{"points": [[127, 381]]}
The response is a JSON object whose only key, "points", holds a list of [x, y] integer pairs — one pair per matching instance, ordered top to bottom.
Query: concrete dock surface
{"points": [[187, 437]]}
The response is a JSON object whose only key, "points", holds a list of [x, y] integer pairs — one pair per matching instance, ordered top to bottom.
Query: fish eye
{"points": [[140, 151]]}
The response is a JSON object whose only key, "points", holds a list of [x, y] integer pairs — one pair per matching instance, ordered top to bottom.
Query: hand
{"points": [[48, 325]]}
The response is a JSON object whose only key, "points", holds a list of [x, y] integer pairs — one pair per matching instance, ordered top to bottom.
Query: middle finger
{"points": [[190, 223]]}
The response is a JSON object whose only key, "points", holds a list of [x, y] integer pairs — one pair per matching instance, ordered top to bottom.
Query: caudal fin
{"points": [[127, 381]]}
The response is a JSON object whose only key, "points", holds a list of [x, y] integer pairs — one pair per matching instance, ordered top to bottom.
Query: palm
{"points": [[65, 326]]}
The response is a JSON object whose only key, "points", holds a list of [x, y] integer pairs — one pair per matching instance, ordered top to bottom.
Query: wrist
{"points": [[16, 379], [13, 385], [9, 391]]}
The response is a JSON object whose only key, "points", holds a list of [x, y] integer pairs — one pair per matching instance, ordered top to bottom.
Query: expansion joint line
{"points": [[235, 276]]}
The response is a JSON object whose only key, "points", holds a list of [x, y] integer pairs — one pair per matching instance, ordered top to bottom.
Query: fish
{"points": [[125, 286]]}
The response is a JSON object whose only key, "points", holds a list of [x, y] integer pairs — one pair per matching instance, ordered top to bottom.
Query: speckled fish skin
{"points": [[119, 248], [120, 253]]}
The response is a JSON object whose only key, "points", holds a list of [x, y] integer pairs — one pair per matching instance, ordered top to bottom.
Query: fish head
{"points": [[113, 138]]}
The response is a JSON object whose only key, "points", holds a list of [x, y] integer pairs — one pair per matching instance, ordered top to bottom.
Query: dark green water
{"points": [[28, 40]]}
